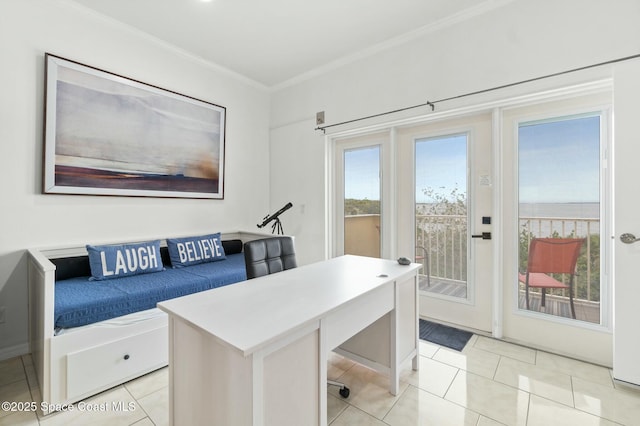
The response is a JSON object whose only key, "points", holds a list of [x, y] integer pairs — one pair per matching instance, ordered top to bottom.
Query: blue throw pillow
{"points": [[193, 250], [115, 261]]}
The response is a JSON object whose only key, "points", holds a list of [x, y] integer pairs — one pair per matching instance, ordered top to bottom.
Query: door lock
{"points": [[484, 236]]}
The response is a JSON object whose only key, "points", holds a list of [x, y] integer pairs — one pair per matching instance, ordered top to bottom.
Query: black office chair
{"points": [[271, 255], [268, 256]]}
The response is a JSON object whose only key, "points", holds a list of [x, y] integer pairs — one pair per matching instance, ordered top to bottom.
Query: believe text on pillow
{"points": [[190, 251]]}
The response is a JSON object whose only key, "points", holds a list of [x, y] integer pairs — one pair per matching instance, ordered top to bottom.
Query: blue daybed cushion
{"points": [[194, 250], [120, 260], [232, 269], [80, 302]]}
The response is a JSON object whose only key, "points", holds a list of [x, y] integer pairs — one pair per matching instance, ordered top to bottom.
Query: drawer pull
{"points": [[126, 357]]}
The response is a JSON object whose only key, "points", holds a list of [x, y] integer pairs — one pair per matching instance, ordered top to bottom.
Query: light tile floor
{"points": [[489, 383]]}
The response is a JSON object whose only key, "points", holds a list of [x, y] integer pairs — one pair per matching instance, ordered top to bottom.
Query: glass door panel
{"points": [[555, 183], [559, 200], [362, 201], [441, 214]]}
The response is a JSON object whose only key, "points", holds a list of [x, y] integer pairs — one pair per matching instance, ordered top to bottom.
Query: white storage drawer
{"points": [[111, 363]]}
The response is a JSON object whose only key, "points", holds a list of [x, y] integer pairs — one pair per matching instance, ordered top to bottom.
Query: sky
{"points": [[558, 162], [441, 165], [362, 173]]}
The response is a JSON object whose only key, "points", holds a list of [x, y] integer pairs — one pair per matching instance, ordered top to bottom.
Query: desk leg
{"points": [[403, 330], [257, 361], [415, 363], [322, 371], [394, 373], [171, 374]]}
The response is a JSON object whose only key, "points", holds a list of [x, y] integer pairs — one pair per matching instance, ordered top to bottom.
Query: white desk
{"points": [[255, 352]]}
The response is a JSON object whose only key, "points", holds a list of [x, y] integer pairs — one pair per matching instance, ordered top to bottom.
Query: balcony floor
{"points": [[556, 305]]}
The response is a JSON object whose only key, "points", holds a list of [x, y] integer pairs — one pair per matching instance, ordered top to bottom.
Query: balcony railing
{"points": [[441, 242]]}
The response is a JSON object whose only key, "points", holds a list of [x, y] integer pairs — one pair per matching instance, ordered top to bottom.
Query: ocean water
{"points": [[565, 210], [566, 219]]}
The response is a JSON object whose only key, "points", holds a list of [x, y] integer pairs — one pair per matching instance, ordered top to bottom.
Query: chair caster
{"points": [[344, 392]]}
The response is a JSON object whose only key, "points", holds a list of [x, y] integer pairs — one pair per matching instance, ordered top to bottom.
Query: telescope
{"points": [[277, 225]]}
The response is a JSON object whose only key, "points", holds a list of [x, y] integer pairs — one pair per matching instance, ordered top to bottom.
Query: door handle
{"points": [[484, 236], [629, 238]]}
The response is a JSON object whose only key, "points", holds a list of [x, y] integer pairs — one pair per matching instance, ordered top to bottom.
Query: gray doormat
{"points": [[444, 335]]}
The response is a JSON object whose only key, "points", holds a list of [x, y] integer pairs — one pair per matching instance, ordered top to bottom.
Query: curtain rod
{"points": [[432, 104]]}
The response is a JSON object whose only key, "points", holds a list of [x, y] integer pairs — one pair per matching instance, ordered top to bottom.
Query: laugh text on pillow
{"points": [[138, 259], [115, 261]]}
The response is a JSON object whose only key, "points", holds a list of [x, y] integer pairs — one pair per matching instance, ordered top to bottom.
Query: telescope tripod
{"points": [[277, 225]]}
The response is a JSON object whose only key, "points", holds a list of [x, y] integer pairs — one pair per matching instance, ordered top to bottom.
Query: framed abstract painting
{"points": [[110, 135]]}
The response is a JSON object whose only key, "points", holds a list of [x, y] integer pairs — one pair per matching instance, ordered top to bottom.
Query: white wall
{"points": [[28, 29], [522, 40], [297, 176]]}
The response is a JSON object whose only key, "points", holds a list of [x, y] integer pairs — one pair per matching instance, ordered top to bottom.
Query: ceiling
{"points": [[277, 42]]}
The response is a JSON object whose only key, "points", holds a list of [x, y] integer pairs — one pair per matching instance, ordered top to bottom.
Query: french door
{"points": [[555, 186], [424, 192], [443, 219]]}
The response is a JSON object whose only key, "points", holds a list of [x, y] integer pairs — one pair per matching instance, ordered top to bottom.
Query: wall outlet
{"points": [[2, 314]]}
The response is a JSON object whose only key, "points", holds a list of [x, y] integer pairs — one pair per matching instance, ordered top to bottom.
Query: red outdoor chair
{"points": [[551, 256]]}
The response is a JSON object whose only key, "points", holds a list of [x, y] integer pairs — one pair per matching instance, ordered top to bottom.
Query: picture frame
{"points": [[106, 134]]}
